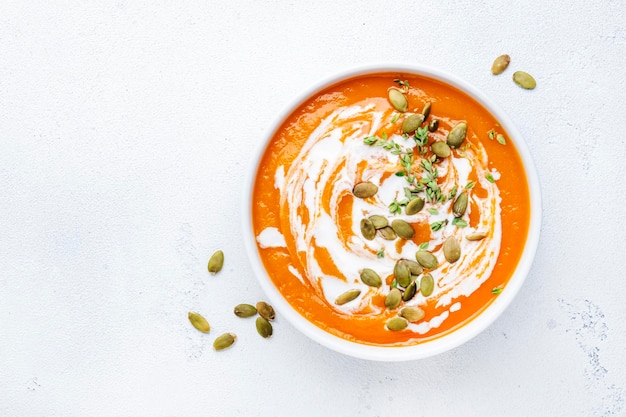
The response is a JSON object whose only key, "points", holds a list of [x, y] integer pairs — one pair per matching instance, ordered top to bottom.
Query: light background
{"points": [[126, 129]]}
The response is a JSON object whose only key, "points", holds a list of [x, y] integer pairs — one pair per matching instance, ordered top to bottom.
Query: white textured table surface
{"points": [[126, 129]]}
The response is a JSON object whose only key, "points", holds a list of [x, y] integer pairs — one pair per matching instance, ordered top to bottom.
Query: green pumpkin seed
{"points": [[500, 64], [524, 80], [398, 100], [426, 110], [412, 122], [433, 125], [457, 135], [441, 149], [365, 189], [460, 205], [414, 206], [378, 221], [367, 229], [402, 229], [387, 233], [476, 236], [451, 249], [426, 259], [216, 262], [414, 267], [402, 274], [371, 278], [427, 285], [409, 292], [347, 296], [393, 299], [245, 310], [265, 310], [412, 314], [199, 322], [397, 323], [264, 327], [224, 341]]}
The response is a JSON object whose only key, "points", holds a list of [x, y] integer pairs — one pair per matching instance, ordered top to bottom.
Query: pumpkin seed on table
{"points": [[500, 64], [524, 80], [398, 100], [426, 110], [412, 122], [456, 136], [441, 149], [365, 189], [460, 205], [414, 206], [378, 221], [367, 229], [402, 229], [387, 233], [476, 236], [451, 249], [426, 259], [216, 262], [402, 274], [371, 278], [427, 285], [410, 291], [347, 296], [393, 299], [245, 310], [265, 310], [412, 314], [199, 322], [397, 323], [264, 327], [224, 341]]}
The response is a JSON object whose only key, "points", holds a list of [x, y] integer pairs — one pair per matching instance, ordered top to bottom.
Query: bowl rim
{"points": [[440, 344]]}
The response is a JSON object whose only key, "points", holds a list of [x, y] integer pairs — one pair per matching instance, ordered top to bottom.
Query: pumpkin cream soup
{"points": [[390, 209]]}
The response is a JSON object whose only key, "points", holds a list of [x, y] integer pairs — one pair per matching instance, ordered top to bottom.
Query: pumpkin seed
{"points": [[500, 64], [524, 80], [398, 100], [426, 110], [412, 122], [433, 125], [457, 135], [441, 149], [365, 189], [460, 205], [414, 206], [378, 221], [367, 229], [402, 229], [387, 233], [476, 236], [451, 249], [426, 259], [216, 262], [414, 267], [402, 274], [371, 278], [427, 285], [410, 291], [347, 296], [393, 299], [244, 310], [265, 310], [412, 314], [199, 322], [397, 323], [264, 327], [224, 341]]}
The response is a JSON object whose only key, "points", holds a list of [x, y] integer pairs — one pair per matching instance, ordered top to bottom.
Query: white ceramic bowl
{"points": [[451, 339]]}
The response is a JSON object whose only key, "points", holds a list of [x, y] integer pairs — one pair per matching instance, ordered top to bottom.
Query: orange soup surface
{"points": [[337, 225]]}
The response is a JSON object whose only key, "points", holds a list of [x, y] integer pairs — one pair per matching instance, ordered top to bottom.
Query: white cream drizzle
{"points": [[336, 145]]}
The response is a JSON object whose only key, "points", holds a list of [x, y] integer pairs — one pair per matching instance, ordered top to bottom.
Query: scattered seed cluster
{"points": [[521, 78], [264, 310]]}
